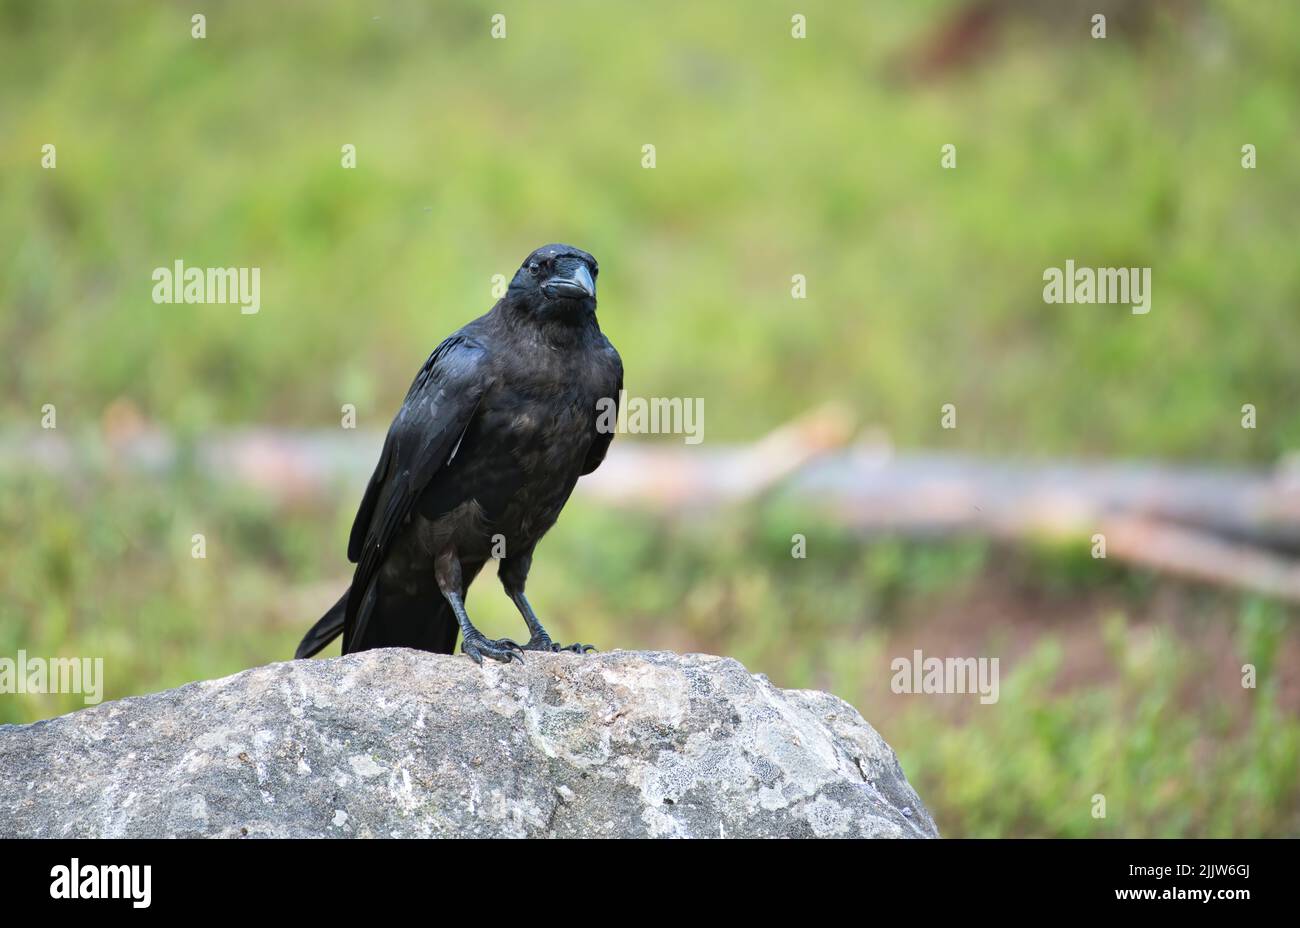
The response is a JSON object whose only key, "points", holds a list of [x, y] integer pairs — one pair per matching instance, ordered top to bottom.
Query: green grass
{"points": [[775, 157], [1165, 733], [1164, 769]]}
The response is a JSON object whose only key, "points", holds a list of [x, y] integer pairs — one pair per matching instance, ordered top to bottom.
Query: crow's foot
{"points": [[543, 642], [503, 649]]}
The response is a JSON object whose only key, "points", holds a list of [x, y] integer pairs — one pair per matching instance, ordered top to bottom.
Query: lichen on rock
{"points": [[407, 744]]}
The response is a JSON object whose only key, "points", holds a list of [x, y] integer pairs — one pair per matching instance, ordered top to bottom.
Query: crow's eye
{"points": [[534, 268]]}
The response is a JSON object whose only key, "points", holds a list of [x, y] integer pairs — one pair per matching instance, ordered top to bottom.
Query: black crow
{"points": [[498, 426]]}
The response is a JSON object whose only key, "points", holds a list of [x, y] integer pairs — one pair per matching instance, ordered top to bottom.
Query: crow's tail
{"points": [[326, 630]]}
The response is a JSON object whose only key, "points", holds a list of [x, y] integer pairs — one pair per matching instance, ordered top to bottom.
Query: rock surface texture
{"points": [[407, 744]]}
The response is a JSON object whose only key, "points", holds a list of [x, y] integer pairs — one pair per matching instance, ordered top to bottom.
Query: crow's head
{"points": [[556, 282]]}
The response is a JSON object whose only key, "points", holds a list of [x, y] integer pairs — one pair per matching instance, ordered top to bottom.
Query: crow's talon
{"points": [[544, 643], [503, 650]]}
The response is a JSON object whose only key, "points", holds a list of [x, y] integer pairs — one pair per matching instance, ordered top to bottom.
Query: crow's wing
{"points": [[424, 435], [600, 444]]}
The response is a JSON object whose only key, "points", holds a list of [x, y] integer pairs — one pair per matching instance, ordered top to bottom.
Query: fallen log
{"points": [[1239, 528]]}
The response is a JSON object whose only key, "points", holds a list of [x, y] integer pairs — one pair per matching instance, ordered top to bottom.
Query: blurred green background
{"points": [[775, 157]]}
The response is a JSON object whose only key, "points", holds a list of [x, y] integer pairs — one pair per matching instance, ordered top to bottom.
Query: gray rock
{"points": [[403, 743]]}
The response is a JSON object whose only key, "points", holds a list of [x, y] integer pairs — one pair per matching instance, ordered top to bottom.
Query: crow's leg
{"points": [[446, 568], [513, 571], [540, 640]]}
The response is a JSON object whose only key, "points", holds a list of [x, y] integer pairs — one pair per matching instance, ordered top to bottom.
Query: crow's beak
{"points": [[576, 285]]}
